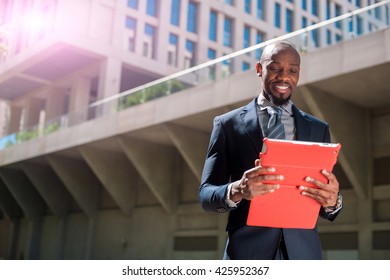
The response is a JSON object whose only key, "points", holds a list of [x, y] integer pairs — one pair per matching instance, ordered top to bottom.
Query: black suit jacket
{"points": [[235, 144]]}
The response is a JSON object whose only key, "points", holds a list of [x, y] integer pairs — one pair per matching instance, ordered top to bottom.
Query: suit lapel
{"points": [[251, 124], [302, 125]]}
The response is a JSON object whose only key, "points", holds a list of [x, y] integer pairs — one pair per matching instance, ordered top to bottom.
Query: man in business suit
{"points": [[233, 174]]}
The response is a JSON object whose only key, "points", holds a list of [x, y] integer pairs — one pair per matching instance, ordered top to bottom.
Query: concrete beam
{"points": [[349, 125], [381, 130], [191, 144], [155, 163], [116, 174], [79, 180], [49, 186], [24, 192], [8, 205]]}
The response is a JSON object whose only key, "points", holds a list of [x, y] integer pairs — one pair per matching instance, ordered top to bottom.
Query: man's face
{"points": [[279, 70]]}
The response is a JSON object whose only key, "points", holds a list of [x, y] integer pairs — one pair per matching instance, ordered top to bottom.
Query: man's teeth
{"points": [[282, 87]]}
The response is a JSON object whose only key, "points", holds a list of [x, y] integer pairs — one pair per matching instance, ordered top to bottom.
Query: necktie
{"points": [[275, 126]]}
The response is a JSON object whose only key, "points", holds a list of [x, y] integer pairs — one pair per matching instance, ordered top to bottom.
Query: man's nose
{"points": [[283, 75]]}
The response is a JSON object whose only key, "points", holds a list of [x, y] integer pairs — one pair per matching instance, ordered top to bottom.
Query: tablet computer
{"points": [[295, 160]]}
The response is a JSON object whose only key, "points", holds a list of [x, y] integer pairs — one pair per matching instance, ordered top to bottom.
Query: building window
{"points": [[291, 1], [230, 2], [358, 3], [132, 4], [368, 4], [304, 5], [247, 7], [314, 7], [151, 8], [260, 9], [175, 12], [338, 12], [377, 12], [277, 15], [328, 15], [192, 17], [289, 20], [304, 22], [131, 24], [350, 24], [359, 25], [213, 26], [370, 27], [149, 30], [227, 32], [247, 37], [314, 37], [328, 37], [338, 38], [173, 39], [259, 39], [131, 44], [149, 45], [173, 49], [211, 54], [189, 59], [245, 66], [227, 69]]}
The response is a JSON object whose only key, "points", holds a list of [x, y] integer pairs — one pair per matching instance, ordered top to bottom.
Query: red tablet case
{"points": [[295, 160]]}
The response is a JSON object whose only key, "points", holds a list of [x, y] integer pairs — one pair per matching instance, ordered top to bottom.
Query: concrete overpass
{"points": [[125, 186]]}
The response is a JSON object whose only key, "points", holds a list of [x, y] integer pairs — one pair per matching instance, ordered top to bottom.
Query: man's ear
{"points": [[259, 69]]}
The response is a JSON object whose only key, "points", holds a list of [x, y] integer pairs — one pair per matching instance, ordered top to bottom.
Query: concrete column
{"points": [[164, 21], [118, 30], [109, 84], [79, 100], [55, 103], [32, 111], [3, 118], [14, 119], [32, 204], [365, 230], [61, 238], [13, 242], [33, 242]]}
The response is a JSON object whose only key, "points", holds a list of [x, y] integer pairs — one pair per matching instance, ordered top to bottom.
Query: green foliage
{"points": [[150, 93], [51, 128], [33, 133], [26, 135]]}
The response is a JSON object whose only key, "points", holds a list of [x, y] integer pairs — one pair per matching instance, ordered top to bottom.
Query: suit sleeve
{"points": [[216, 175], [323, 213]]}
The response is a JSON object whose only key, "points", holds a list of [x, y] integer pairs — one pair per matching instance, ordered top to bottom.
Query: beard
{"points": [[275, 100]]}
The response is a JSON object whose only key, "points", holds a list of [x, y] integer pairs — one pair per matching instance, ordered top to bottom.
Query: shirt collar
{"points": [[264, 103]]}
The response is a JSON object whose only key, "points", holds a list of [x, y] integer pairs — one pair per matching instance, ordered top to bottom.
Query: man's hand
{"points": [[253, 183], [325, 194]]}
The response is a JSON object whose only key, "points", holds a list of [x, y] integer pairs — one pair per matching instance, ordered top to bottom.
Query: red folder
{"points": [[295, 160]]}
